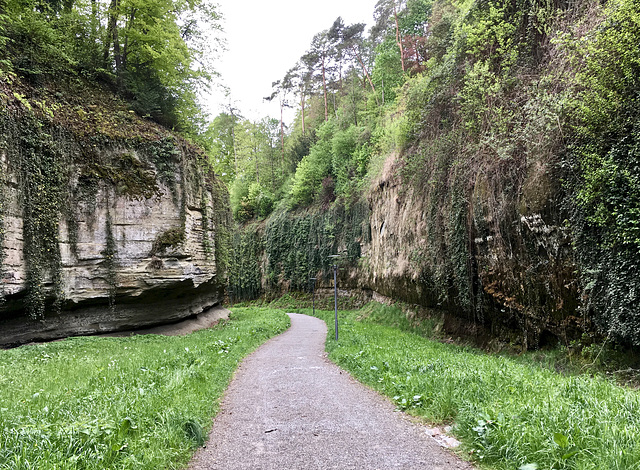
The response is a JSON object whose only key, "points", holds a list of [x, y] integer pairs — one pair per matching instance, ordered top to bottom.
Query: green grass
{"points": [[106, 403], [508, 412]]}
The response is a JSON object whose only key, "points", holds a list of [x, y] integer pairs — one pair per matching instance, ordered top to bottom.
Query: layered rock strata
{"points": [[103, 232], [511, 277]]}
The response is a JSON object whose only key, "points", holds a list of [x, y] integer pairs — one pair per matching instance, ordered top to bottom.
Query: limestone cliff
{"points": [[108, 221], [496, 262], [503, 264]]}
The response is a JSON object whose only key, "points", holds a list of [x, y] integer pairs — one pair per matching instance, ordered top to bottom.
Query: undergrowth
{"points": [[292, 247], [137, 402], [509, 412]]}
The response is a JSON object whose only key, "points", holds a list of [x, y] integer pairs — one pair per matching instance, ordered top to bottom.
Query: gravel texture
{"points": [[289, 407]]}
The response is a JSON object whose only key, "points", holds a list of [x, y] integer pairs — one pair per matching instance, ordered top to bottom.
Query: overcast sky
{"points": [[265, 39]]}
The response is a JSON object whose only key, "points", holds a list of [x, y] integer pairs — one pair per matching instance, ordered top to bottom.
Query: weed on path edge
{"points": [[142, 402], [509, 413]]}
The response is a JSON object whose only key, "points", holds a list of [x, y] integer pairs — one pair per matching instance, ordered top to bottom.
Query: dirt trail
{"points": [[289, 407]]}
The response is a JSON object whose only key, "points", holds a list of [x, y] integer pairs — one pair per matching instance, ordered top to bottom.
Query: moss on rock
{"points": [[171, 238]]}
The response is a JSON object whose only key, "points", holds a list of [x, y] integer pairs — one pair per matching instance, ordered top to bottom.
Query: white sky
{"points": [[265, 38]]}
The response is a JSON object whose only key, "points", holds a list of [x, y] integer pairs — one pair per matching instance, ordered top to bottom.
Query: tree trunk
{"points": [[67, 6], [95, 21], [111, 24], [112, 38], [398, 38], [125, 52], [117, 55], [366, 72], [324, 88], [353, 102], [302, 106], [282, 128], [235, 155], [255, 156], [273, 171], [273, 177]]}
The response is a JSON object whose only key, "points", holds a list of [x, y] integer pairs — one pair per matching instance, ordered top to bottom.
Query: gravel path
{"points": [[289, 407]]}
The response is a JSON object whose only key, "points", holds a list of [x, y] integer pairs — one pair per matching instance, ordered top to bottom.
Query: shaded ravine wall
{"points": [[514, 200], [102, 232], [499, 260], [513, 279]]}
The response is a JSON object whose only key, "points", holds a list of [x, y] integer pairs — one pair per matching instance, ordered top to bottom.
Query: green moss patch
{"points": [[126, 173], [171, 238]]}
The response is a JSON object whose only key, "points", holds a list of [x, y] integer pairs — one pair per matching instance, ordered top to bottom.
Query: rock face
{"points": [[103, 232], [495, 261], [511, 275]]}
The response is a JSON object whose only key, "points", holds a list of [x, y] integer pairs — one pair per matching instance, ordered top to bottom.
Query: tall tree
{"points": [[387, 12], [112, 36], [350, 38], [151, 46], [155, 49], [319, 57], [299, 79], [281, 90], [220, 140]]}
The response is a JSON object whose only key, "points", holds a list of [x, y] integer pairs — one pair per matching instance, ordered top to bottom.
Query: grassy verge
{"points": [[138, 402], [510, 413]]}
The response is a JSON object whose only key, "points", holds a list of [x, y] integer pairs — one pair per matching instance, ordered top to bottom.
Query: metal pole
{"points": [[313, 296], [335, 296]]}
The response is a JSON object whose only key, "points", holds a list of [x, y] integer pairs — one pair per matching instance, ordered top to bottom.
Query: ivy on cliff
{"points": [[532, 108], [4, 128], [165, 156], [606, 156], [479, 163], [62, 168], [43, 176], [221, 224], [2, 230], [297, 246], [109, 262], [246, 270]]}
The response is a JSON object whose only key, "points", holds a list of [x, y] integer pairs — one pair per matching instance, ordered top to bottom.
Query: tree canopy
{"points": [[155, 53]]}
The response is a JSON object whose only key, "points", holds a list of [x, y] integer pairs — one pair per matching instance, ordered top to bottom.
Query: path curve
{"points": [[289, 407]]}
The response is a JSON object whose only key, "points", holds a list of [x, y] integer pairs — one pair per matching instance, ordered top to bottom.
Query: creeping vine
{"points": [[43, 181], [221, 222], [206, 226], [2, 237], [297, 246], [109, 261]]}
